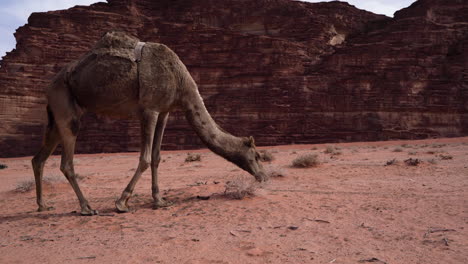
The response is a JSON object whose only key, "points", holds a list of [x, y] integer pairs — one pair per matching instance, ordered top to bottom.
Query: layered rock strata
{"points": [[283, 71]]}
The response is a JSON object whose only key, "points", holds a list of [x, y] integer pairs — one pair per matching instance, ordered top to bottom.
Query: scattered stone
{"points": [[412, 162], [254, 252], [376, 260]]}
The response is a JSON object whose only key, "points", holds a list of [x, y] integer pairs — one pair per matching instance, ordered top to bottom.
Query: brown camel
{"points": [[123, 77]]}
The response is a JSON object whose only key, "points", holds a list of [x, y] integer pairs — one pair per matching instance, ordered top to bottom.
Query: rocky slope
{"points": [[283, 71]]}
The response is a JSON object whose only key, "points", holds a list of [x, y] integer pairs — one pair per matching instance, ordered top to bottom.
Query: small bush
{"points": [[397, 150], [266, 155], [192, 157], [306, 161], [412, 162], [3, 166], [239, 189]]}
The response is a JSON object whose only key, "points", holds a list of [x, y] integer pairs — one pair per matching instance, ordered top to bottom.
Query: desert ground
{"points": [[361, 204]]}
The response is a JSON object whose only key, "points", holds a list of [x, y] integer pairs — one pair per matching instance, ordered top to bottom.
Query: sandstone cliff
{"points": [[283, 71]]}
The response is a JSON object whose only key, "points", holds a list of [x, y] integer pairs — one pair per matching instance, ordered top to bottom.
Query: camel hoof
{"points": [[162, 204], [121, 207], [45, 208], [89, 212]]}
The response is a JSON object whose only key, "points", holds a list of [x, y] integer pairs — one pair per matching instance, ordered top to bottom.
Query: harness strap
{"points": [[138, 50]]}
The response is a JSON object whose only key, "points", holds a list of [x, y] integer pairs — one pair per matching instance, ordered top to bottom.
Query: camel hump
{"points": [[116, 40], [160, 75]]}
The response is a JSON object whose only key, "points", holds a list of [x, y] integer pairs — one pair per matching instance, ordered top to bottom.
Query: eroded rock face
{"points": [[282, 71]]}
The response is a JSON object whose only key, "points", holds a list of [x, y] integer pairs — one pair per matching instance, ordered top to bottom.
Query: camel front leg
{"points": [[148, 124], [156, 158], [66, 166]]}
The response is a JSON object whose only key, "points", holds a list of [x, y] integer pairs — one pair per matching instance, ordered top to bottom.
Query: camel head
{"points": [[249, 160]]}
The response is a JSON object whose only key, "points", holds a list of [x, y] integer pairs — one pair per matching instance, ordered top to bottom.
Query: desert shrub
{"points": [[397, 150], [266, 155], [192, 157], [306, 161], [391, 162], [412, 162], [3, 166], [239, 189]]}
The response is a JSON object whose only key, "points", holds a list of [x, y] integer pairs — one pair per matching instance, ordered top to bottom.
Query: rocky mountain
{"points": [[283, 71]]}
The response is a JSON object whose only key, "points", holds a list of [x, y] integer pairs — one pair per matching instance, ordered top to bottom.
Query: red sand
{"points": [[350, 209]]}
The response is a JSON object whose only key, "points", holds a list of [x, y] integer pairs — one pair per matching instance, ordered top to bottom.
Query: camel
{"points": [[123, 77]]}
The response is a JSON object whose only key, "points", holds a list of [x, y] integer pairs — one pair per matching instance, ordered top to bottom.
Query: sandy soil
{"points": [[349, 209]]}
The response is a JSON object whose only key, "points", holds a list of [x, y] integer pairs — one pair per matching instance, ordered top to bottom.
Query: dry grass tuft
{"points": [[333, 150], [266, 155], [445, 156], [192, 157], [306, 161], [391, 162], [274, 172], [28, 185], [24, 186], [240, 188]]}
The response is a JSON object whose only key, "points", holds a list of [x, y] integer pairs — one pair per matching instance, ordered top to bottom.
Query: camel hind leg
{"points": [[67, 116], [51, 140]]}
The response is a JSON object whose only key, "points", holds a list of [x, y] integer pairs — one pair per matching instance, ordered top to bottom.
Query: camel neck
{"points": [[217, 140]]}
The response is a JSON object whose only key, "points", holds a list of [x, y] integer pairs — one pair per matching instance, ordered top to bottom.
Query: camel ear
{"points": [[249, 142]]}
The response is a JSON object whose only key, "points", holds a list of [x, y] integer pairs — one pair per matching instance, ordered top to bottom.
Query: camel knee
{"points": [[36, 162], [144, 163], [67, 169]]}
